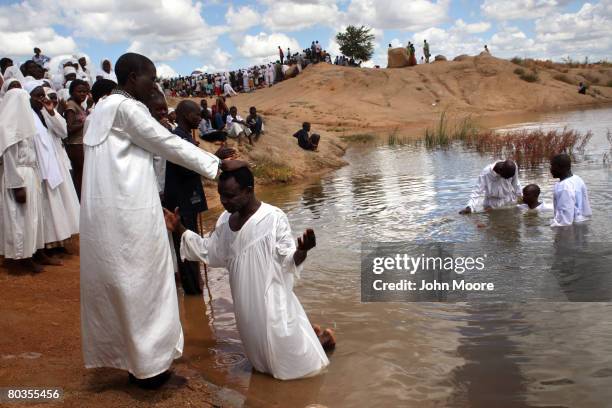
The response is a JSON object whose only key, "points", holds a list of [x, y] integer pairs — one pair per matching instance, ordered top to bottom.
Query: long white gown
{"points": [[492, 190], [571, 202], [60, 203], [21, 224], [129, 308], [277, 336]]}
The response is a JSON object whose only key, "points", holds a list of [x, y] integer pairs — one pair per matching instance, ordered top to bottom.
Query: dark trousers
{"points": [[189, 271]]}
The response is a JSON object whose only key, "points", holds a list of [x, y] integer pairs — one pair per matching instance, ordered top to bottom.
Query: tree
{"points": [[356, 43]]}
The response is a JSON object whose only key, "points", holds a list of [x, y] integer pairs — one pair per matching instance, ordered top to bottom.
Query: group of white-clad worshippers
{"points": [[498, 186], [129, 306]]}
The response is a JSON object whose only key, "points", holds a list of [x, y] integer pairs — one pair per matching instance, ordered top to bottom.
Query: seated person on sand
{"points": [[582, 88], [228, 91], [254, 122], [235, 126], [207, 131], [305, 141], [498, 186], [571, 198], [531, 200], [253, 241]]}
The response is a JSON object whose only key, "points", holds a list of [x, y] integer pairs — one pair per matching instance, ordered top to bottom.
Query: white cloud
{"points": [[520, 9], [398, 14], [297, 15], [242, 18], [472, 28], [511, 41], [22, 43], [263, 47], [165, 71]]}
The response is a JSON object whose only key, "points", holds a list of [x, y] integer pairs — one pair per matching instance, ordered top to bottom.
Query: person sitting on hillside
{"points": [[582, 88], [228, 91], [219, 114], [254, 122], [235, 126], [207, 131], [305, 141], [498, 186], [531, 200]]}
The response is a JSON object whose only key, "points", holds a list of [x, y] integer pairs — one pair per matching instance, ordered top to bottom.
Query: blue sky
{"points": [[183, 35]]}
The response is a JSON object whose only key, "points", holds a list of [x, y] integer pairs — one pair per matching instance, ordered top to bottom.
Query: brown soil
{"points": [[40, 346]]}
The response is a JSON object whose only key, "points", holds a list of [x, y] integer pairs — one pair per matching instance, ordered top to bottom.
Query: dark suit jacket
{"points": [[183, 187]]}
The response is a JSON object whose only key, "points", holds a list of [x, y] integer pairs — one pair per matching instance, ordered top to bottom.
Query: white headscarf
{"points": [[13, 72], [107, 75], [6, 84], [31, 85], [49, 91], [16, 120]]}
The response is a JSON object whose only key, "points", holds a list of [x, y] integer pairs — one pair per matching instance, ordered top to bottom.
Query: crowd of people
{"points": [[230, 83], [102, 156]]}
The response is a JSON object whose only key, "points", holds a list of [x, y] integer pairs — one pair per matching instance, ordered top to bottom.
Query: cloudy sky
{"points": [[183, 35]]}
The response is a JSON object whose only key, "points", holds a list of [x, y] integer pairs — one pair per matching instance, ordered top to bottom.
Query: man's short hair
{"points": [[128, 63], [101, 88], [305, 124], [562, 160], [243, 176], [531, 188]]}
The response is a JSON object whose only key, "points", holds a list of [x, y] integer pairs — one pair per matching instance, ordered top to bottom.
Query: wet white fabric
{"points": [[492, 190], [571, 202], [543, 207], [21, 223], [129, 307], [277, 336]]}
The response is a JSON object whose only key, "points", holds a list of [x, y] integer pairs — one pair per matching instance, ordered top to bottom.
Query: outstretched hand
{"points": [[225, 152], [231, 165], [173, 220], [307, 241]]}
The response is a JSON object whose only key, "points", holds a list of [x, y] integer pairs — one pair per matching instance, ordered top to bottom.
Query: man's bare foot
{"points": [[44, 259], [30, 265], [317, 329], [328, 340]]}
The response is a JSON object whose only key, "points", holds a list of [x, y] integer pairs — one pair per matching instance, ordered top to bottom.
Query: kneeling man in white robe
{"points": [[498, 186], [571, 198], [253, 241]]}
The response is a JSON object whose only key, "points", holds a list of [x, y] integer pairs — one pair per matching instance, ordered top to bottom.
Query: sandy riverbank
{"points": [[343, 102]]}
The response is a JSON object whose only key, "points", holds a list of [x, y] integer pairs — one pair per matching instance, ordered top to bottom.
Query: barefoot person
{"points": [[498, 186], [253, 241], [129, 308]]}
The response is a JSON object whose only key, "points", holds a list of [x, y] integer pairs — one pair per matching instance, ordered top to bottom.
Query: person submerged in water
{"points": [[531, 200], [253, 241]]}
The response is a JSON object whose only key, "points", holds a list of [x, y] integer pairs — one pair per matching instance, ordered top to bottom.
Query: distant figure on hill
{"points": [[487, 49], [426, 51], [281, 55], [582, 88], [305, 141], [498, 186]]}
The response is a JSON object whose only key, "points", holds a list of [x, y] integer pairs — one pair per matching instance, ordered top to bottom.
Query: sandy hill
{"points": [[367, 99], [342, 101]]}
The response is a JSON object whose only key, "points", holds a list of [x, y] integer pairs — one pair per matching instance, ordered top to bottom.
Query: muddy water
{"points": [[424, 354]]}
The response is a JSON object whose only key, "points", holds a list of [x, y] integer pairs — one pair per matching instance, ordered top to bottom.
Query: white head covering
{"points": [[69, 70], [13, 72], [6, 84], [31, 85], [49, 91], [16, 120]]}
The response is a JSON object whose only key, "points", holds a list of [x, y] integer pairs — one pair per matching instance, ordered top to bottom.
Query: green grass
{"points": [[519, 71], [529, 77], [359, 138], [270, 171]]}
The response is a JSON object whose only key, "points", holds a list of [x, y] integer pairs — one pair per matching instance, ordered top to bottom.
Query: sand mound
{"points": [[397, 58]]}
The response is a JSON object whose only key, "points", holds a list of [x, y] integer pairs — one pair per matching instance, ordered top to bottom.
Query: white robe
{"points": [[492, 190], [571, 202], [61, 203], [543, 207], [22, 224], [129, 308], [277, 336]]}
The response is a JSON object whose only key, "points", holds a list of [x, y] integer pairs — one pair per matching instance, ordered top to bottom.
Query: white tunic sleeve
{"points": [[56, 124], [147, 133], [12, 177], [478, 194], [565, 202], [285, 247], [204, 249]]}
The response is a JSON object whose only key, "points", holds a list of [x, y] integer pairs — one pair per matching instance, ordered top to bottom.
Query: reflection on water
{"points": [[425, 354]]}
